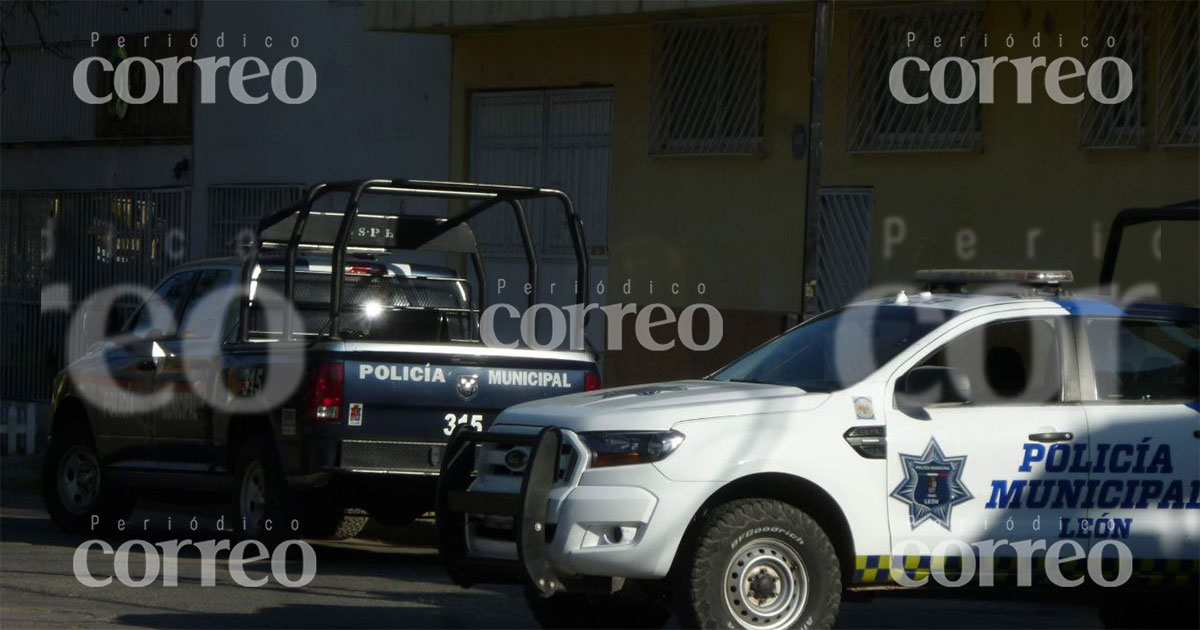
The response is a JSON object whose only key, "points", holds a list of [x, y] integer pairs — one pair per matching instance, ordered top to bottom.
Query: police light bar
{"points": [[1033, 277]]}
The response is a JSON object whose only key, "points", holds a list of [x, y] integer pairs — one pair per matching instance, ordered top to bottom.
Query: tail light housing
{"points": [[365, 269], [591, 381], [325, 390]]}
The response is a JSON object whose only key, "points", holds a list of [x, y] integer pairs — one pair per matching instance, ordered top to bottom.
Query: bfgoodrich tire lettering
{"points": [[759, 564]]}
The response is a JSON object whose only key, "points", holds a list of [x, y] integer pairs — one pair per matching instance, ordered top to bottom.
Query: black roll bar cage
{"points": [[488, 195], [1184, 211]]}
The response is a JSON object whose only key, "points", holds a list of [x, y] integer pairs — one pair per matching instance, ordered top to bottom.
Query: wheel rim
{"points": [[78, 479], [252, 502], [766, 585]]}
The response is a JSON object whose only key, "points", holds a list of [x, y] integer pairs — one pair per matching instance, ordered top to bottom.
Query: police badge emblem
{"points": [[467, 385], [932, 485]]}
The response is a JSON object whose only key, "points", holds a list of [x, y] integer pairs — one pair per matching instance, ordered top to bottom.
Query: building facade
{"points": [[708, 120], [95, 194]]}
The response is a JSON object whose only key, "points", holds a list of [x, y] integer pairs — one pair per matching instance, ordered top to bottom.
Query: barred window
{"points": [[707, 83], [1178, 93], [877, 122], [1116, 125]]}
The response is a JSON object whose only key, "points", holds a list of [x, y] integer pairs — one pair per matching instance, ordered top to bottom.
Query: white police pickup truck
{"points": [[939, 437]]}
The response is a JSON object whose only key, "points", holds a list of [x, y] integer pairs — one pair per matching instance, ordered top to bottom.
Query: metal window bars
{"points": [[707, 84], [1177, 118], [876, 121], [1117, 125], [234, 210], [293, 235], [61, 247]]}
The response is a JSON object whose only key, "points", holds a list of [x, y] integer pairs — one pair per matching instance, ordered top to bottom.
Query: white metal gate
{"points": [[554, 138], [844, 245]]}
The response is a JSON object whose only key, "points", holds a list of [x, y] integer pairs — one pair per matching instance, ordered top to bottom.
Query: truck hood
{"points": [[658, 406]]}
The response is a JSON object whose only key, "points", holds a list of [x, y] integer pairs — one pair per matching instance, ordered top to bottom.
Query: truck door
{"points": [[1140, 398], [183, 429], [980, 431], [125, 433]]}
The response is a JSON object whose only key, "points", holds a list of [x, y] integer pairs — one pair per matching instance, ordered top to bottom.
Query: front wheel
{"points": [[76, 488], [759, 564]]}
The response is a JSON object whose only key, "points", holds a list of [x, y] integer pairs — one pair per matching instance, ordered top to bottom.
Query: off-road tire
{"points": [[71, 450], [266, 492], [329, 520], [732, 533], [586, 610]]}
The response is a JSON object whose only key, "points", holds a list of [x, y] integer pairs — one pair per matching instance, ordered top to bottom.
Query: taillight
{"points": [[362, 269], [591, 381], [325, 389]]}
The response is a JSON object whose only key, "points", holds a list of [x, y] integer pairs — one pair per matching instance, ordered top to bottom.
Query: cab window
{"points": [[157, 318], [203, 319], [837, 349], [1144, 360], [1007, 362]]}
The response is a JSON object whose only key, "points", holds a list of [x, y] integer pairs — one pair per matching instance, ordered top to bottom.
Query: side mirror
{"points": [[931, 385]]}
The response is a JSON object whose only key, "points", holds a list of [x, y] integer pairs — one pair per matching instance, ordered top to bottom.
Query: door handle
{"points": [[1052, 437]]}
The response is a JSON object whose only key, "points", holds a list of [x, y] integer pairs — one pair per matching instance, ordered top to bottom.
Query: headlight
{"points": [[619, 448]]}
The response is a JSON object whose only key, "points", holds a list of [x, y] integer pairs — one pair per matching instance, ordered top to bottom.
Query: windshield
{"points": [[837, 349]]}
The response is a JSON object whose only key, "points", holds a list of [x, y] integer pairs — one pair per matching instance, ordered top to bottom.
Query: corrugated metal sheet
{"points": [[413, 15], [844, 245]]}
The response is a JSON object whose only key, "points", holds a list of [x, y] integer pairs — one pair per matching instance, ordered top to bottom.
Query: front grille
{"points": [[417, 457]]}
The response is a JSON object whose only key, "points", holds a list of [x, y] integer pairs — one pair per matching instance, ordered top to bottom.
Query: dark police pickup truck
{"points": [[314, 380]]}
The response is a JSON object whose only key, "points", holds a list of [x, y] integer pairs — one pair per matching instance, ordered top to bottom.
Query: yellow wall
{"points": [[737, 224]]}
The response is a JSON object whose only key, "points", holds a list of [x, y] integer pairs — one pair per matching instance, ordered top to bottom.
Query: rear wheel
{"points": [[76, 488], [264, 505], [759, 564]]}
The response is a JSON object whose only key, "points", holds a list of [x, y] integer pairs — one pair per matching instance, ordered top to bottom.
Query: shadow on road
{"points": [[367, 584]]}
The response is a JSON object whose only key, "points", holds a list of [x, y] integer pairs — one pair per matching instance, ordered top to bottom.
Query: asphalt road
{"points": [[358, 584]]}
